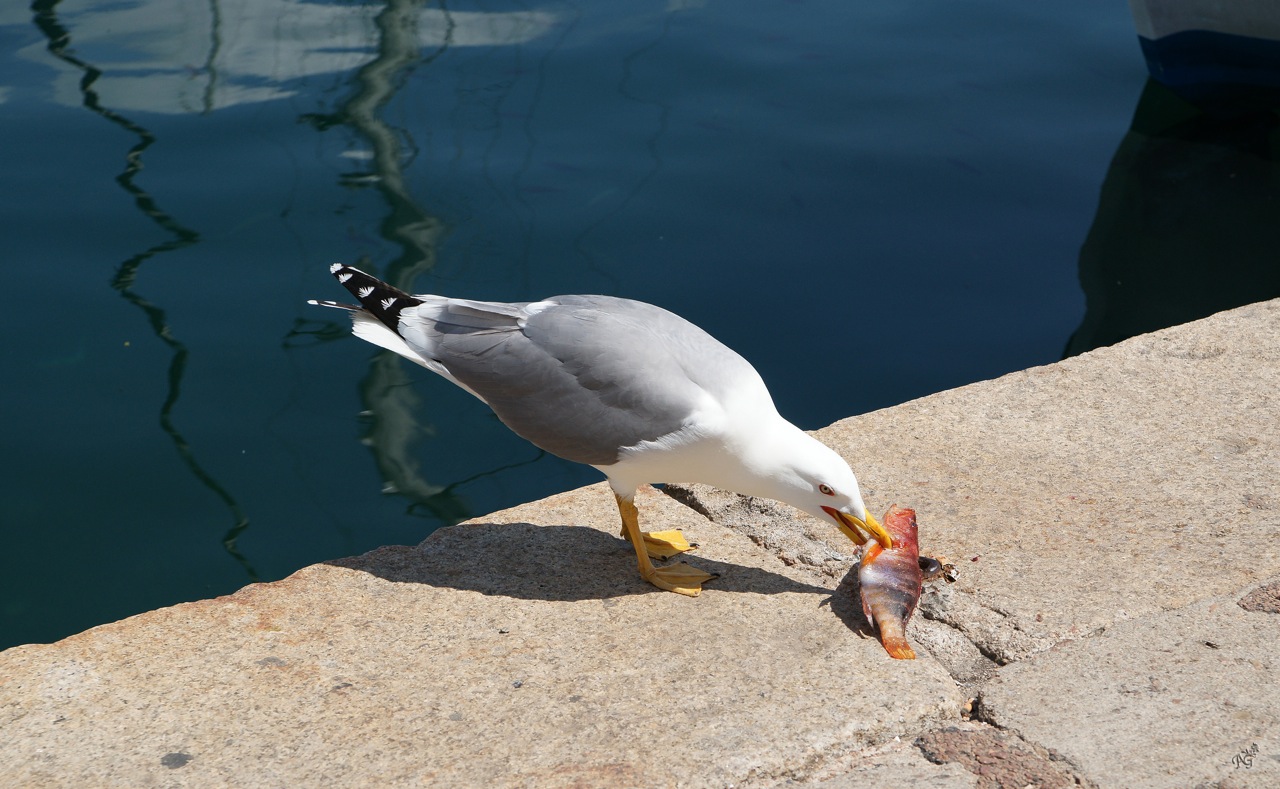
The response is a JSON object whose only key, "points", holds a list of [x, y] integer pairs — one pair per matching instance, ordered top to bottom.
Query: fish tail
{"points": [[898, 648]]}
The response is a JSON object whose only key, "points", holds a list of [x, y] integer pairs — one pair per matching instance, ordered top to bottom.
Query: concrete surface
{"points": [[1115, 518], [1166, 700]]}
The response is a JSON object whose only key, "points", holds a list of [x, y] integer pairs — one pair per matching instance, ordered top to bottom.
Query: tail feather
{"points": [[335, 304], [377, 319]]}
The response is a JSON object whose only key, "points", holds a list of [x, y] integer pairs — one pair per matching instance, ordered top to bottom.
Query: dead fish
{"points": [[891, 581]]}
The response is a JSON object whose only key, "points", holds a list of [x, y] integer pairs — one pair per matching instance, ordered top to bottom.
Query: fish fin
{"points": [[866, 611], [898, 648]]}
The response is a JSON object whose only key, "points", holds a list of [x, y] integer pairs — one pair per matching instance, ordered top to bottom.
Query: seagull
{"points": [[636, 391]]}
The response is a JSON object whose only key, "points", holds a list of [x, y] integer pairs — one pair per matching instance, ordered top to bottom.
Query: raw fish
{"points": [[891, 581]]}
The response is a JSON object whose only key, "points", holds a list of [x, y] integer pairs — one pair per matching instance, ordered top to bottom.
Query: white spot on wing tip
{"points": [[335, 268], [345, 276], [364, 292]]}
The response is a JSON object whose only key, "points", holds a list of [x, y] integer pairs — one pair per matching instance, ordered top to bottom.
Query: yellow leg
{"points": [[679, 578]]}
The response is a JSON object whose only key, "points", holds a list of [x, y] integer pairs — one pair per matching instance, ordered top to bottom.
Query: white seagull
{"points": [[634, 390]]}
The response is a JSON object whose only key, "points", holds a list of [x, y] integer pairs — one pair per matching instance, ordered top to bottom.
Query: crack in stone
{"points": [[993, 632], [1000, 758]]}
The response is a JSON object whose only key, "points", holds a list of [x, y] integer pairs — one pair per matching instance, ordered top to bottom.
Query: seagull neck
{"points": [[764, 451], [756, 458]]}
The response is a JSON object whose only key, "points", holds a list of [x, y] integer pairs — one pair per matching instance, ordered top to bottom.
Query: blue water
{"points": [[871, 202]]}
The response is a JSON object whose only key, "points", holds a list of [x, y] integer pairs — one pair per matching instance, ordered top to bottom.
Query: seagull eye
{"points": [[826, 490]]}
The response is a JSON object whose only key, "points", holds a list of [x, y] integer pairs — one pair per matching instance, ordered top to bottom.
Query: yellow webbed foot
{"points": [[665, 544], [680, 578]]}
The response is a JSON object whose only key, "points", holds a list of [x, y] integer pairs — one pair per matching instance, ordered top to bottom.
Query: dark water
{"points": [[872, 203]]}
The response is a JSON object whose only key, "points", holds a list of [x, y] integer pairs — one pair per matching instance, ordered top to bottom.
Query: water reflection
{"points": [[60, 46], [183, 56], [199, 56], [1186, 224], [390, 402], [392, 407]]}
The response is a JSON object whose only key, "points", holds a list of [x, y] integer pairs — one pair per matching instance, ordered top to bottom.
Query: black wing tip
{"points": [[344, 273], [385, 302]]}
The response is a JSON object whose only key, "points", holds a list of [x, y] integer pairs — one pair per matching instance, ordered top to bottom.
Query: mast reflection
{"points": [[59, 45], [391, 404]]}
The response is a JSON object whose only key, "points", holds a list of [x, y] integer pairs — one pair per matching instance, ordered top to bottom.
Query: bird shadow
{"points": [[560, 564], [846, 604]]}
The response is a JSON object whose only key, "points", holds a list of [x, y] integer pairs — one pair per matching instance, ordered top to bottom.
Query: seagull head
{"points": [[807, 474]]}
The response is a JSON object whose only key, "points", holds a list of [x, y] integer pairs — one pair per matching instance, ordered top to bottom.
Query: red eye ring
{"points": [[825, 489]]}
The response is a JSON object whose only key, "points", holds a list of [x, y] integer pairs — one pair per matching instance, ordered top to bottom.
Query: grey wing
{"points": [[579, 376]]}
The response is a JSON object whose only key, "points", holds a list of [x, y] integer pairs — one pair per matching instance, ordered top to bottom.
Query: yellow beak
{"points": [[858, 530]]}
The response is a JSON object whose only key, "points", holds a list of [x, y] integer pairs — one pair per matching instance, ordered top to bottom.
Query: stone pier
{"points": [[1115, 520]]}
